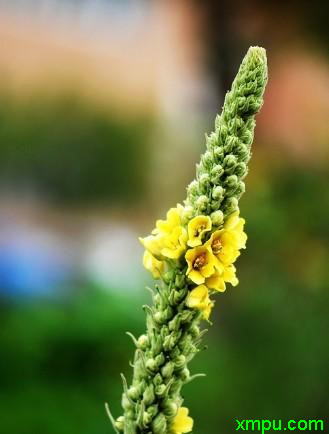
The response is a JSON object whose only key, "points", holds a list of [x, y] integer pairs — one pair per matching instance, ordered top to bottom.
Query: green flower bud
{"points": [[222, 132], [247, 136], [212, 140], [230, 143], [242, 152], [218, 154], [207, 159], [229, 163], [241, 169], [216, 172], [204, 180], [231, 181], [193, 188], [241, 188], [218, 192], [202, 202], [230, 205], [187, 213], [217, 218], [169, 276], [180, 281], [179, 295], [187, 316], [160, 317], [175, 323], [195, 331], [164, 332], [170, 341], [143, 342], [156, 344], [175, 352], [160, 359], [180, 362], [151, 365], [167, 370], [185, 374], [157, 379], [175, 387], [160, 390], [133, 393], [148, 395], [125, 402], [170, 408], [152, 410], [146, 419], [119, 423], [159, 424]]}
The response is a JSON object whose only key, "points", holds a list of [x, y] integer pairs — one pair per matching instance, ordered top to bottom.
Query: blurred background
{"points": [[104, 105]]}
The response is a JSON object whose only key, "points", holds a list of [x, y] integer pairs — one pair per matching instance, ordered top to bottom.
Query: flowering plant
{"points": [[192, 254]]}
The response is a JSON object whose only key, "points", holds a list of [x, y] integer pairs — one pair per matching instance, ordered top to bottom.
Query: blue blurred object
{"points": [[30, 265]]}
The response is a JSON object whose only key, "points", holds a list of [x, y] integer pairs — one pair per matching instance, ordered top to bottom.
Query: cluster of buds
{"points": [[192, 254]]}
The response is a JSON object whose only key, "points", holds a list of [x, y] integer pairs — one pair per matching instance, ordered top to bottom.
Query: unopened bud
{"points": [[218, 192], [217, 218], [143, 342], [120, 423]]}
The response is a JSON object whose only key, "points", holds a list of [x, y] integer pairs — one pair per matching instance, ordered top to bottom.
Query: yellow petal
{"points": [[232, 221], [196, 228], [152, 243], [174, 243], [228, 254], [152, 264], [208, 269], [229, 275], [196, 277], [216, 281], [197, 296], [207, 310], [182, 423]]}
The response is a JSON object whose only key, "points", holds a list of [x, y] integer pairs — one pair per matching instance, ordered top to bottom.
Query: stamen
{"points": [[216, 246], [199, 261]]}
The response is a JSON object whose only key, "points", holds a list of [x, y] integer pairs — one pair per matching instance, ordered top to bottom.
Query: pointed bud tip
{"points": [[257, 54]]}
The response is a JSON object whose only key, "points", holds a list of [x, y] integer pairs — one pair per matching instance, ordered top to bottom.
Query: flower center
{"points": [[198, 230], [216, 246], [199, 261]]}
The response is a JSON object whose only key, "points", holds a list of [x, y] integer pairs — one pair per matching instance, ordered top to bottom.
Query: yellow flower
{"points": [[235, 224], [166, 226], [196, 228], [169, 237], [152, 244], [223, 244], [173, 245], [152, 264], [201, 264], [224, 273], [229, 275], [216, 282], [198, 298], [182, 422]]}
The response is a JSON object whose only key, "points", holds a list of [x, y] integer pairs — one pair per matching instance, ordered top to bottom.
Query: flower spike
{"points": [[192, 254]]}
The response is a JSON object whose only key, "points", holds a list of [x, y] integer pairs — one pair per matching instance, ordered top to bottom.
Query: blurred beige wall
{"points": [[153, 65]]}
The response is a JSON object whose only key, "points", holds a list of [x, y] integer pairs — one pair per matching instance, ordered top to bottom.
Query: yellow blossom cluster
{"points": [[167, 241], [209, 254]]}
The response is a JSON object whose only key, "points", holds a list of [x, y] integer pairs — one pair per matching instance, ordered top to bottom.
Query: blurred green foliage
{"points": [[72, 151], [268, 354], [60, 361]]}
